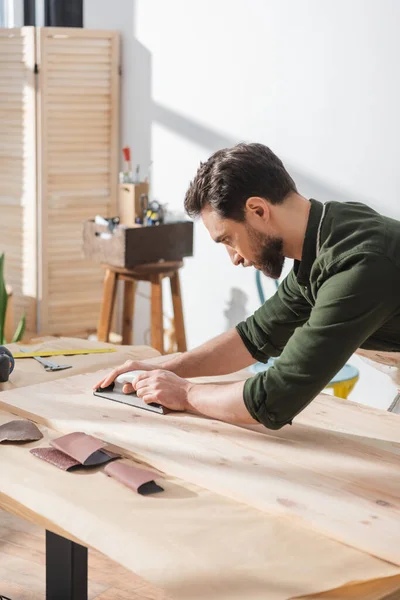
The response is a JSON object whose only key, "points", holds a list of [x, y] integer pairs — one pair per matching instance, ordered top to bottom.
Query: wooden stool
{"points": [[155, 274]]}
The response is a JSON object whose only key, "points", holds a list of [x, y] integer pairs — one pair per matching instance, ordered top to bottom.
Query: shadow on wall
{"points": [[214, 140], [236, 310]]}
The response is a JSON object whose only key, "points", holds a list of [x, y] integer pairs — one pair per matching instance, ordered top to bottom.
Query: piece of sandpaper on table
{"points": [[20, 430], [75, 450], [139, 480]]}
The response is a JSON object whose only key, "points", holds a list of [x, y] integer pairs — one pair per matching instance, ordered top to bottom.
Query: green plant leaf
{"points": [[3, 300], [19, 332]]}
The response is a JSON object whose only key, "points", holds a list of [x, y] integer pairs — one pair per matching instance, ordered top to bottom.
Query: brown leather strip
{"points": [[20, 430], [78, 445], [134, 478]]}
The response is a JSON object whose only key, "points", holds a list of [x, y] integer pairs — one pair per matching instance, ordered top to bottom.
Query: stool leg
{"points": [[107, 306], [128, 311], [178, 312], [157, 324]]}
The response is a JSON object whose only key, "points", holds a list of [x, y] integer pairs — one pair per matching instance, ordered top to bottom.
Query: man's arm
{"points": [[356, 300], [351, 305], [267, 332], [263, 335], [224, 354], [222, 402]]}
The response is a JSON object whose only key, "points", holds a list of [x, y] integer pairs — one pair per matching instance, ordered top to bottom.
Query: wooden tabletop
{"points": [[28, 371], [190, 540]]}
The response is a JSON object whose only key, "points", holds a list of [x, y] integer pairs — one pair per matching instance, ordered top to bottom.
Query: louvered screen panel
{"points": [[78, 151], [17, 168]]}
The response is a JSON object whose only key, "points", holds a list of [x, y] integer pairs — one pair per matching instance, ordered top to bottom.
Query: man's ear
{"points": [[257, 208]]}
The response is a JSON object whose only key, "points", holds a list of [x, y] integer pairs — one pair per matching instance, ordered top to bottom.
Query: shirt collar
{"points": [[302, 269]]}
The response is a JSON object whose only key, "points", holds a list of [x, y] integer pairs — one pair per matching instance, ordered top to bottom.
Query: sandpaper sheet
{"points": [[20, 430], [78, 445], [85, 449], [56, 458], [139, 480]]}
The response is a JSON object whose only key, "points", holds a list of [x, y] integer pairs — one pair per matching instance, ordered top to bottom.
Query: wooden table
{"points": [[190, 540]]}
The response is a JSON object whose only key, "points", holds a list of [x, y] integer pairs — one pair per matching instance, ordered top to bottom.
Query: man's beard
{"points": [[268, 253]]}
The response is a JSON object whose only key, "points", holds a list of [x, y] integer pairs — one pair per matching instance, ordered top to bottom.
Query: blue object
{"points": [[259, 287], [260, 290], [345, 374]]}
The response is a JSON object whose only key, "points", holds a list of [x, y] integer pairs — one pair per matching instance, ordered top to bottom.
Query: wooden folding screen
{"points": [[78, 84], [76, 163], [18, 168]]}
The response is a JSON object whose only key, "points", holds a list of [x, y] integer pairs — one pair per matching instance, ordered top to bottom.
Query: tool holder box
{"points": [[128, 247]]}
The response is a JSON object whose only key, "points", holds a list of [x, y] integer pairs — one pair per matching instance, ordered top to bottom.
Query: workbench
{"points": [[194, 541]]}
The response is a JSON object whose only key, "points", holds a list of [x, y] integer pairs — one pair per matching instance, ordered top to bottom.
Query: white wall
{"points": [[318, 81], [135, 107]]}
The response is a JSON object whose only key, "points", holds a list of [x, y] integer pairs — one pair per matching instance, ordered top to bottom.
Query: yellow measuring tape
{"points": [[44, 353]]}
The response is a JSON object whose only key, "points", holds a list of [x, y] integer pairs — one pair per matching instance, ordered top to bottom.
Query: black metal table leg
{"points": [[66, 569]]}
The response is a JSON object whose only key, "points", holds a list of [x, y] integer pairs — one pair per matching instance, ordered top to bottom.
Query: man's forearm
{"points": [[219, 356], [222, 402]]}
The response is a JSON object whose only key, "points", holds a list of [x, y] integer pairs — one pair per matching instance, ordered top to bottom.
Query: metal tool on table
{"points": [[48, 364], [115, 392], [395, 405]]}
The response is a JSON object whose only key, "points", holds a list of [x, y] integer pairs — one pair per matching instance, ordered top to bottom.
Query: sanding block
{"points": [[114, 392]]}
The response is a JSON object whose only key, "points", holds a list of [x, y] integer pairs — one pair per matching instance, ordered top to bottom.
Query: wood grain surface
{"points": [[342, 485], [189, 541]]}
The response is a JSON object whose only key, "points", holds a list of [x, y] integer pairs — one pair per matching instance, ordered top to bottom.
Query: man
{"points": [[342, 293]]}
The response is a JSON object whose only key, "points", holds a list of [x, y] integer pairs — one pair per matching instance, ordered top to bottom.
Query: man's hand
{"points": [[129, 365], [162, 387], [223, 402]]}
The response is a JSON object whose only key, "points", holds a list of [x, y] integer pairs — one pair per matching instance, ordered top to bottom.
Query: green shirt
{"points": [[342, 295]]}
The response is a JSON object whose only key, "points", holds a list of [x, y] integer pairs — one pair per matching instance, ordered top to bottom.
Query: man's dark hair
{"points": [[232, 175]]}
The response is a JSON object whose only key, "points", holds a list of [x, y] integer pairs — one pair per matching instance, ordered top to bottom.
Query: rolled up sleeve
{"points": [[351, 305]]}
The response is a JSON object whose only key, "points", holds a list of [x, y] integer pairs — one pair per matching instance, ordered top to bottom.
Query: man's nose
{"points": [[234, 256]]}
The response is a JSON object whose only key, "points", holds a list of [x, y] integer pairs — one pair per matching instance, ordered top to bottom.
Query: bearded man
{"points": [[342, 293]]}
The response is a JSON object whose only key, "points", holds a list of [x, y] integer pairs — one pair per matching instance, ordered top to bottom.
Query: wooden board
{"points": [[78, 116], [387, 362], [344, 416], [342, 485], [189, 541]]}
